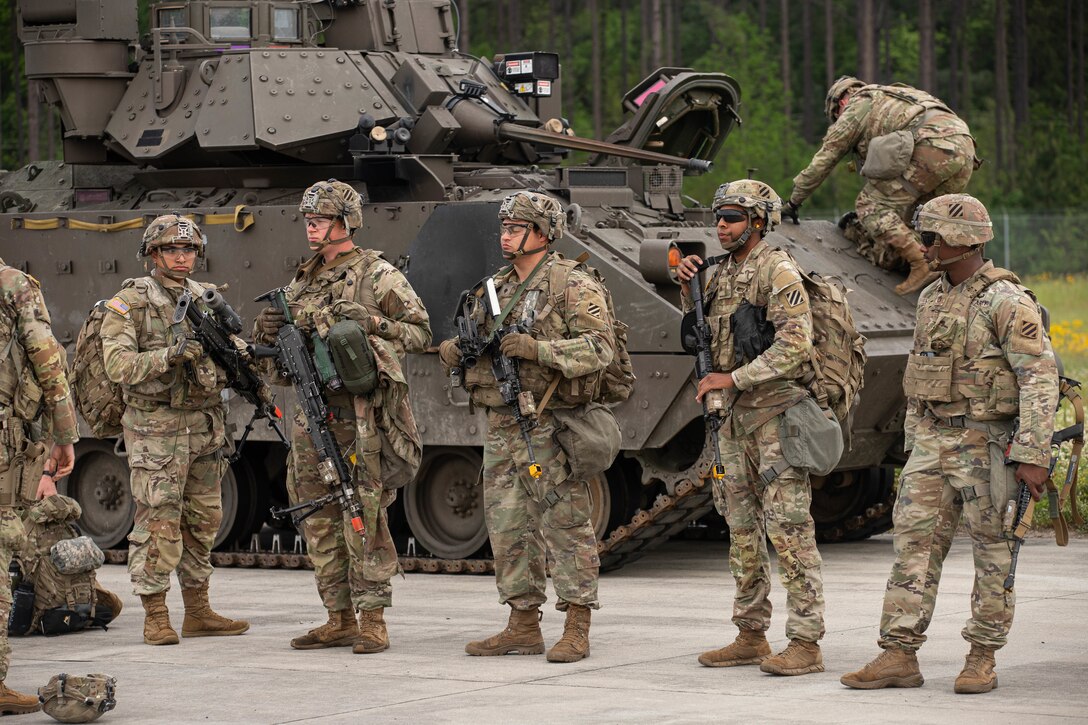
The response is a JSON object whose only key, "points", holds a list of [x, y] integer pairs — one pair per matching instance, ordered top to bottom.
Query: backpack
{"points": [[838, 350], [618, 378], [97, 398]]}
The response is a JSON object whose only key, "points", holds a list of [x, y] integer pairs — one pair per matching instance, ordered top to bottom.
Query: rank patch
{"points": [[119, 306]]}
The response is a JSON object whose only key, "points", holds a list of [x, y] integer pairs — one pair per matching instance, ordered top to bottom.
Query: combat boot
{"points": [[920, 273], [105, 599], [202, 621], [157, 629], [340, 631], [373, 636], [522, 636], [574, 644], [749, 648], [799, 658], [894, 667], [977, 675], [16, 703]]}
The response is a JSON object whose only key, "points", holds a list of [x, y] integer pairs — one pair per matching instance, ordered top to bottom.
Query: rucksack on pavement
{"points": [[98, 400]]}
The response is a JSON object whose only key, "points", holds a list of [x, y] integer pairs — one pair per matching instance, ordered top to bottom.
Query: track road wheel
{"points": [[100, 483], [445, 503], [852, 505]]}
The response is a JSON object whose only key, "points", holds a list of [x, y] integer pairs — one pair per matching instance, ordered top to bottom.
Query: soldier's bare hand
{"points": [[687, 268], [270, 321], [519, 344], [192, 351], [449, 353], [714, 381], [63, 457], [1035, 477], [46, 487]]}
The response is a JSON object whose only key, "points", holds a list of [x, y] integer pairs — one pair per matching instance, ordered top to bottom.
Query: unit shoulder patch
{"points": [[1027, 330]]}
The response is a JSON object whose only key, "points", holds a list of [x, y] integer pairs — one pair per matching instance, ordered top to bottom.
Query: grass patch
{"points": [[1066, 298]]}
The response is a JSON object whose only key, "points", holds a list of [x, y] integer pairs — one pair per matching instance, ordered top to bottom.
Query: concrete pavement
{"points": [[657, 616]]}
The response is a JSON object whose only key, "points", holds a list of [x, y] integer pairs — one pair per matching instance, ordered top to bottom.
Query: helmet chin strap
{"points": [[743, 238], [325, 240], [521, 250], [937, 264]]}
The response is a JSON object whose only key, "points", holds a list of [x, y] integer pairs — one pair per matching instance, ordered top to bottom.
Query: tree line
{"points": [[1013, 70]]}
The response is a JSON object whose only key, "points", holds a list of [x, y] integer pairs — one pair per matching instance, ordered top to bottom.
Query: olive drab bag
{"points": [[838, 349], [98, 400]]}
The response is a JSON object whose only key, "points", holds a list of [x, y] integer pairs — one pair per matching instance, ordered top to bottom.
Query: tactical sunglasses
{"points": [[731, 216], [316, 222], [514, 228], [929, 239], [178, 251]]}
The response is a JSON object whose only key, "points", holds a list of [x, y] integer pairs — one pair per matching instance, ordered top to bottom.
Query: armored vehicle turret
{"points": [[227, 110]]}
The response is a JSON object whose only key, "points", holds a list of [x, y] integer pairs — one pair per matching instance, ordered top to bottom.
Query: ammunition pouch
{"points": [[889, 155], [752, 334], [352, 357], [928, 377], [590, 436], [810, 437]]}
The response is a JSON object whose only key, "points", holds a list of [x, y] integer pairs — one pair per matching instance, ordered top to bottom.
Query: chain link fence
{"points": [[1053, 242]]}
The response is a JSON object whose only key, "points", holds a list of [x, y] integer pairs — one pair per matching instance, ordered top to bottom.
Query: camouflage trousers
{"points": [[885, 207], [177, 466], [947, 476], [755, 511], [524, 531], [12, 537], [351, 571]]}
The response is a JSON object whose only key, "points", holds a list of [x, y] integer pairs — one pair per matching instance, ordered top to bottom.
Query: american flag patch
{"points": [[794, 298], [118, 305]]}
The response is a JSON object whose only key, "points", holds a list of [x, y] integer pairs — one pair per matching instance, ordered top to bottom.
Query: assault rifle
{"points": [[213, 331], [697, 340], [470, 343], [295, 362]]}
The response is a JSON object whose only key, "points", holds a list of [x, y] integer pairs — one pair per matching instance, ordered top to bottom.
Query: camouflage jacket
{"points": [[875, 111], [572, 323], [137, 340], [986, 356], [32, 361], [776, 379]]}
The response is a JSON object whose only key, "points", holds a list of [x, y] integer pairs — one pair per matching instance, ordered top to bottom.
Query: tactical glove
{"points": [[789, 210], [270, 321], [519, 344], [190, 352], [449, 352]]}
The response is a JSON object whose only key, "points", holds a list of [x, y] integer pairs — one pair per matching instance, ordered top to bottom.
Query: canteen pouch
{"points": [[888, 156], [352, 357], [590, 436], [809, 438], [77, 555]]}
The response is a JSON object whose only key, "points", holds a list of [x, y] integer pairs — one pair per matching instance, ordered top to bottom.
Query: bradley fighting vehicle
{"points": [[228, 109]]}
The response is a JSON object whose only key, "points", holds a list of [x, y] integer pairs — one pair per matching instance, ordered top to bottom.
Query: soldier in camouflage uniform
{"points": [[942, 161], [341, 281], [570, 341], [981, 360], [35, 406], [174, 432], [755, 502]]}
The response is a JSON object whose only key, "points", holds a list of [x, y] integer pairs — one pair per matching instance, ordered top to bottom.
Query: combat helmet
{"points": [[834, 93], [755, 196], [335, 199], [542, 210], [961, 220], [172, 228], [75, 698]]}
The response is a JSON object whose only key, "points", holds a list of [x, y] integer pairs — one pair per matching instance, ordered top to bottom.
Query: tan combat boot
{"points": [[920, 274], [106, 598], [202, 621], [157, 629], [340, 631], [373, 636], [521, 637], [574, 644], [749, 648], [799, 658], [894, 667], [977, 675], [16, 703]]}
